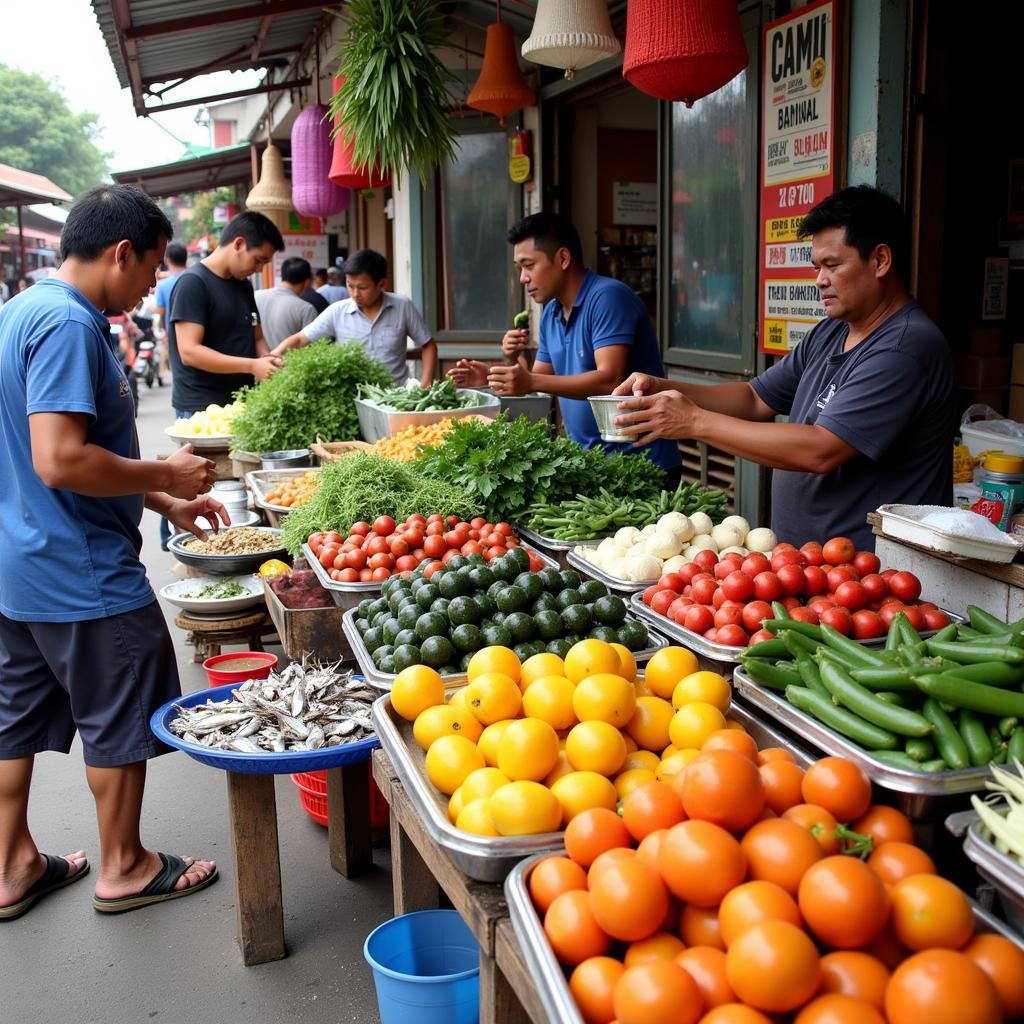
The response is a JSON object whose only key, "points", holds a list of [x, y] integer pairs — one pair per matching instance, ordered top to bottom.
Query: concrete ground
{"points": [[63, 963]]}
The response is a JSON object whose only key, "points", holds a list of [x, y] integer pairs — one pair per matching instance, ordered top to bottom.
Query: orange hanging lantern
{"points": [[682, 50], [501, 87], [343, 172]]}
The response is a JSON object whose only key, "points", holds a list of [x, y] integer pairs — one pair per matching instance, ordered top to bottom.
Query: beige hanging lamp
{"points": [[571, 34], [272, 195]]}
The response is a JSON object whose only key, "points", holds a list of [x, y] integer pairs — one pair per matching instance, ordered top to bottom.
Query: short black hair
{"points": [[108, 214], [870, 217], [256, 229], [550, 232], [177, 254], [367, 261], [295, 270], [321, 273]]}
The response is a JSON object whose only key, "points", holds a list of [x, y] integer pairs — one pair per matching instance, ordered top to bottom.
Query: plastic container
{"points": [[604, 408], [979, 440], [1001, 480], [903, 522], [225, 677], [312, 787], [426, 968]]}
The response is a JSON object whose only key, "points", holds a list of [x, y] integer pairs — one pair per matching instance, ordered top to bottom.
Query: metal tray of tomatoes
{"points": [[595, 572], [920, 795], [548, 975]]}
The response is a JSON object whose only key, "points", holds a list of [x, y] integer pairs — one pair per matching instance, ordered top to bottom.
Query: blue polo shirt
{"points": [[604, 312], [65, 557]]}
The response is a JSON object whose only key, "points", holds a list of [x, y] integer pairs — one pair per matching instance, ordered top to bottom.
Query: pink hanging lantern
{"points": [[313, 192]]}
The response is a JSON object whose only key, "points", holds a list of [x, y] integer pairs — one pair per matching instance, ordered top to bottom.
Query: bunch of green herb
{"points": [[311, 395], [439, 397], [365, 486], [217, 591]]}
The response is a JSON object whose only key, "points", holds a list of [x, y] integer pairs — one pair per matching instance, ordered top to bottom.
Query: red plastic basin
{"points": [[221, 677]]}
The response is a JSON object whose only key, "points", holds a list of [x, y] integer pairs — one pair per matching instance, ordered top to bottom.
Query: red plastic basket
{"points": [[312, 787]]}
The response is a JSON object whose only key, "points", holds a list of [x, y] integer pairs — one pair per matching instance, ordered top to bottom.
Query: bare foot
{"points": [[15, 883], [112, 887]]}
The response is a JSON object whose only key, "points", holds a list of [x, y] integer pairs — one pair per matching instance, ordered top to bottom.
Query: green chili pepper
{"points": [[983, 622], [971, 653], [775, 676], [863, 702], [842, 721], [975, 736], [947, 740], [920, 748]]}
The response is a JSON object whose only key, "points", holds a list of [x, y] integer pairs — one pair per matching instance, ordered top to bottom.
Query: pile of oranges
{"points": [[294, 491]]}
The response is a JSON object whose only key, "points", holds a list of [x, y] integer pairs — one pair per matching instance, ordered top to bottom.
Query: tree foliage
{"points": [[40, 133], [203, 204]]}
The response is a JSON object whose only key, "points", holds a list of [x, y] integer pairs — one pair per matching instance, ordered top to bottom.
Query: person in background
{"points": [[175, 259], [319, 277], [24, 283], [5, 288], [334, 290], [313, 297], [283, 312], [381, 320], [594, 332], [869, 392], [91, 653]]}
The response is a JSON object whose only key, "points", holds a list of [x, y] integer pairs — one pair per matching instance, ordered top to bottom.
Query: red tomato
{"points": [[435, 518], [416, 520], [452, 521], [477, 522], [383, 526], [360, 529], [435, 529], [504, 529], [474, 534], [315, 537], [414, 537], [455, 539], [512, 541], [377, 545], [398, 546], [434, 546], [783, 546], [471, 547], [839, 550], [812, 553], [449, 555], [327, 557], [788, 557], [355, 559], [706, 559], [339, 561], [382, 561], [755, 562], [866, 562], [406, 563], [431, 568], [687, 573], [380, 574], [840, 574], [365, 575], [348, 576], [791, 576], [815, 580], [672, 581], [905, 585], [738, 586], [767, 586], [876, 586], [704, 589], [650, 592], [851, 595], [719, 598], [662, 599], [820, 602], [789, 603], [676, 611], [888, 612], [730, 614], [754, 614], [804, 615], [915, 616], [698, 618], [838, 618], [934, 618], [867, 625], [709, 634], [761, 634], [732, 636]]}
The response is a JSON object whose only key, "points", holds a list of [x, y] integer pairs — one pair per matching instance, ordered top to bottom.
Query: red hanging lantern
{"points": [[683, 49], [501, 87], [343, 172], [313, 193]]}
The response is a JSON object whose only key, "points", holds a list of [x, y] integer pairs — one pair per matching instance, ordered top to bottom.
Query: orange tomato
{"points": [[732, 739], [766, 754], [782, 781], [838, 785], [723, 788], [651, 807], [819, 822], [884, 825], [592, 832], [649, 846], [780, 851], [609, 857], [701, 862], [893, 862], [553, 876], [629, 900], [753, 902], [843, 902], [930, 912], [699, 926], [572, 929], [659, 946], [887, 948], [1003, 961], [706, 965], [773, 966], [856, 974], [592, 984], [940, 986], [657, 993], [834, 1008], [734, 1013]]}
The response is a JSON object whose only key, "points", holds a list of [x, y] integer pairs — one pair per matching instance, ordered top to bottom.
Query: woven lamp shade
{"points": [[571, 34], [683, 49], [501, 88], [342, 171], [313, 192], [272, 195]]}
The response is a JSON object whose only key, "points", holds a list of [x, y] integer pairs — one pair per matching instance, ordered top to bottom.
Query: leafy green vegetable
{"points": [[521, 320], [312, 395], [440, 396], [364, 486], [218, 591]]}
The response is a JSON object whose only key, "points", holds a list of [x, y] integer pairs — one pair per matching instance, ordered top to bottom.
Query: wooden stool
{"points": [[209, 635]]}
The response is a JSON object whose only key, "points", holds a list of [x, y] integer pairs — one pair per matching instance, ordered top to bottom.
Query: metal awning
{"points": [[229, 166], [20, 188]]}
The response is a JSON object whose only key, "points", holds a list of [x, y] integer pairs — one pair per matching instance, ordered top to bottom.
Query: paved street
{"points": [[65, 964]]}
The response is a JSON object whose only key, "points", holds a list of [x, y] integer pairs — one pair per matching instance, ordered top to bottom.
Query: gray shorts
{"points": [[102, 678]]}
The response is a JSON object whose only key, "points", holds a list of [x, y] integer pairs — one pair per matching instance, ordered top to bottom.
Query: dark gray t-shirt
{"points": [[892, 398]]}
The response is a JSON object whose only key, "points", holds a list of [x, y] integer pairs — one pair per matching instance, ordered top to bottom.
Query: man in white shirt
{"points": [[334, 290], [282, 310], [381, 320]]}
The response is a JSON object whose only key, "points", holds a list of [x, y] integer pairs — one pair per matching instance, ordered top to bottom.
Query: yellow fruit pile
{"points": [[213, 421], [406, 444], [523, 748]]}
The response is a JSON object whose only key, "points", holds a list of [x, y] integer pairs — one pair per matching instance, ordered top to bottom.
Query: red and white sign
{"points": [[310, 247]]}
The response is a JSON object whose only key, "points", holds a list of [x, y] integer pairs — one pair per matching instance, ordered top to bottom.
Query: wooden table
{"points": [[253, 814], [422, 870]]}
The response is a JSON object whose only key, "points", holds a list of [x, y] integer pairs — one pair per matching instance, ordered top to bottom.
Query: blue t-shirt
{"points": [[164, 287], [604, 312], [65, 557]]}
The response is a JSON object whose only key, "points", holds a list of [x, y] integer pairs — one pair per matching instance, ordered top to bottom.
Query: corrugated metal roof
{"points": [[229, 166]]}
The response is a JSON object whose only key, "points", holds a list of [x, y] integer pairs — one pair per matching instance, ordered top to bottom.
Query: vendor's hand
{"points": [[514, 342], [265, 366], [469, 373], [508, 381], [638, 384], [667, 414], [191, 474], [183, 514]]}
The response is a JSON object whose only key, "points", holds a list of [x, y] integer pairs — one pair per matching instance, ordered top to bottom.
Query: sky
{"points": [[68, 46]]}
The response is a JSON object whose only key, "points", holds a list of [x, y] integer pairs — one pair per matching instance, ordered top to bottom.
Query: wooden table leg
{"points": [[253, 812], [348, 818], [414, 886], [499, 1003]]}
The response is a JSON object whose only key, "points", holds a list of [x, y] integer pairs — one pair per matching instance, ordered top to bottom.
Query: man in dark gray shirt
{"points": [[869, 392]]}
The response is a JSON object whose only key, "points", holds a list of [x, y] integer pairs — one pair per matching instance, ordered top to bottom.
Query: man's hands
{"points": [[515, 343], [264, 367], [469, 373], [509, 381], [638, 384], [667, 414], [190, 474], [183, 514]]}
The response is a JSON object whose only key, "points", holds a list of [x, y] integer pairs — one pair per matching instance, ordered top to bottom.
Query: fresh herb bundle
{"points": [[311, 395], [440, 396]]}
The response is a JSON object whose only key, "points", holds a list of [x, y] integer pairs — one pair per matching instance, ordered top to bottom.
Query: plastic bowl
{"points": [[604, 408], [224, 677]]}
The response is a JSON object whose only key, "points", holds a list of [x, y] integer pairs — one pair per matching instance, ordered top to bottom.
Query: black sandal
{"points": [[56, 875], [159, 890]]}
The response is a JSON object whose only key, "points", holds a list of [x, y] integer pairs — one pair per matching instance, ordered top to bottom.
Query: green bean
{"points": [[780, 611], [982, 621], [946, 633], [966, 633], [910, 635], [796, 643], [850, 648], [767, 649], [971, 653], [837, 658], [808, 670], [991, 673], [774, 676], [889, 678], [973, 696], [901, 700], [863, 702], [842, 721], [1006, 726], [975, 736], [947, 740], [999, 745], [1015, 746], [920, 748], [898, 759]]}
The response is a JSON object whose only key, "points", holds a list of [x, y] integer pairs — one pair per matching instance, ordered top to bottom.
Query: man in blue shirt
{"points": [[176, 259], [594, 332], [83, 643]]}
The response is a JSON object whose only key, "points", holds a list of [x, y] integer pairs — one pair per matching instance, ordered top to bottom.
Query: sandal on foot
{"points": [[56, 875], [160, 888]]}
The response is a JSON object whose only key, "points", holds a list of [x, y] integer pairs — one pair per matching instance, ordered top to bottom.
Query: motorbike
{"points": [[147, 366]]}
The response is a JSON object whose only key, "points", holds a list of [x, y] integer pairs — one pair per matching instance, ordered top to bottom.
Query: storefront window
{"points": [[474, 213]]}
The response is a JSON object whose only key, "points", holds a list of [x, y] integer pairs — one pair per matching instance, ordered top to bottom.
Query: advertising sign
{"points": [[309, 247]]}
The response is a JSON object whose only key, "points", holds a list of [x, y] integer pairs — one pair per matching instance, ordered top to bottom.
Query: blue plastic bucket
{"points": [[426, 967]]}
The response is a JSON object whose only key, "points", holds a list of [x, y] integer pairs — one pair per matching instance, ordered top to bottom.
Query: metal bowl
{"points": [[604, 408], [290, 459], [239, 517], [223, 565]]}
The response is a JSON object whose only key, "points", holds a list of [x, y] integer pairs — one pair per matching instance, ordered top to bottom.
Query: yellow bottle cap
{"points": [[1004, 463]]}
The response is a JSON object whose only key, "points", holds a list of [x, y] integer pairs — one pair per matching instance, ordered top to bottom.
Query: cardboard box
{"points": [[985, 341], [981, 372], [1017, 374], [1016, 407], [309, 631]]}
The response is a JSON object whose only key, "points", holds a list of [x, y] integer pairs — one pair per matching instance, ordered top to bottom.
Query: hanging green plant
{"points": [[393, 105]]}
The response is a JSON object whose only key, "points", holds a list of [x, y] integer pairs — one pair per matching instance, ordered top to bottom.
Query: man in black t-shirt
{"points": [[215, 341]]}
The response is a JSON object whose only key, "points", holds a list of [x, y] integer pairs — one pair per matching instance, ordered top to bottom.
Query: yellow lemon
{"points": [[590, 657], [494, 659], [626, 661], [539, 666], [667, 667], [707, 687], [415, 689], [493, 696], [604, 698], [458, 699], [550, 699], [444, 720], [650, 722], [693, 723], [731, 723], [489, 740], [631, 744], [595, 747], [528, 750], [669, 750], [640, 759], [449, 760], [671, 766], [562, 767], [627, 781], [483, 782], [580, 791], [455, 805], [525, 809], [475, 817]]}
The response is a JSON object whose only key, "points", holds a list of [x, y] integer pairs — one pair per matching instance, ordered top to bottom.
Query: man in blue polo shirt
{"points": [[594, 333]]}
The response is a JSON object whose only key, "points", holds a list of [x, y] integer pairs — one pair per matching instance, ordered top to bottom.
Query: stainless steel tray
{"points": [[376, 423], [263, 481], [558, 549], [595, 572], [346, 595], [921, 789], [1000, 870]]}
